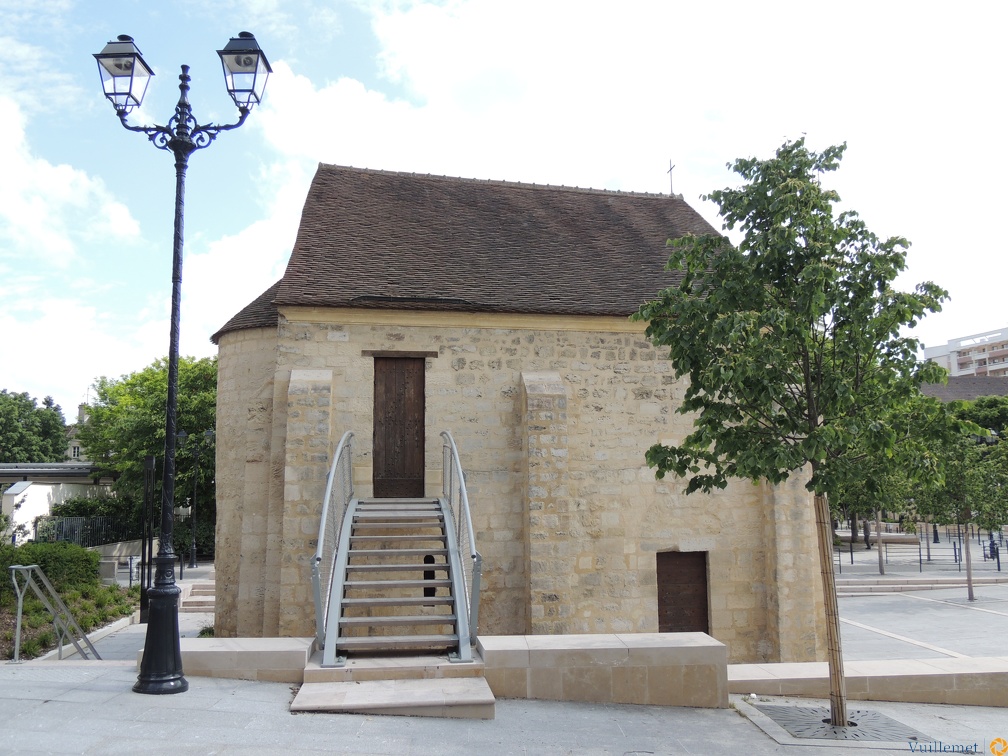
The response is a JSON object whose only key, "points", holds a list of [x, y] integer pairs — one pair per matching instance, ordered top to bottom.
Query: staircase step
{"points": [[397, 504], [393, 514], [396, 525], [397, 538], [396, 552], [441, 566], [379, 584], [397, 601], [399, 619], [384, 642], [393, 666], [460, 697]]}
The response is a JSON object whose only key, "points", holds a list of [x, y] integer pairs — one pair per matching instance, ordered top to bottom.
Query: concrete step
{"points": [[882, 584], [201, 598], [198, 605], [392, 666], [460, 698]]}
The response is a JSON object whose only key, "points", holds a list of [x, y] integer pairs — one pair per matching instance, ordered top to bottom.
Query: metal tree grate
{"points": [[807, 722]]}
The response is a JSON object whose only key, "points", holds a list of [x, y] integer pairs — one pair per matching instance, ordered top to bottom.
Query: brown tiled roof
{"points": [[379, 239], [259, 313], [967, 387]]}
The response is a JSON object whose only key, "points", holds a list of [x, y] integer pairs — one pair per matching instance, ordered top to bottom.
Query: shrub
{"points": [[65, 564]]}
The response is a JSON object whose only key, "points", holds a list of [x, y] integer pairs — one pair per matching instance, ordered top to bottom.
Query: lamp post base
{"points": [[161, 666]]}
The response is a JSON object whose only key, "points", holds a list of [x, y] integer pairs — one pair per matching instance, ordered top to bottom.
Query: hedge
{"points": [[65, 564]]}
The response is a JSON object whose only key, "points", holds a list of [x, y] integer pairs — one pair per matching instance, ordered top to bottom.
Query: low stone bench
{"points": [[264, 659], [664, 669], [975, 681]]}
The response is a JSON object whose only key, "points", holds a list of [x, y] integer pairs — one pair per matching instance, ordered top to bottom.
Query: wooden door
{"points": [[398, 427], [682, 592]]}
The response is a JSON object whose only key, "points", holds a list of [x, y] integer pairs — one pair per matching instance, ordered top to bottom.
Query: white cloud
{"points": [[46, 210], [236, 269]]}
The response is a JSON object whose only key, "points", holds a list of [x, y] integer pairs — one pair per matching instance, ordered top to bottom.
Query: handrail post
{"points": [[342, 465], [453, 474], [17, 622]]}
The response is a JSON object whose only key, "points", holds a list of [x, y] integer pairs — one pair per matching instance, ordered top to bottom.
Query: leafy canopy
{"points": [[791, 339], [126, 423], [29, 433], [974, 486]]}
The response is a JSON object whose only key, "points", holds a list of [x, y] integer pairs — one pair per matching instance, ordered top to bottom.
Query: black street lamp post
{"points": [[125, 76]]}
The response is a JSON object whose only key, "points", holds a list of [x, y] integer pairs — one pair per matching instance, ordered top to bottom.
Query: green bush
{"points": [[97, 506], [205, 534], [65, 564], [74, 574]]}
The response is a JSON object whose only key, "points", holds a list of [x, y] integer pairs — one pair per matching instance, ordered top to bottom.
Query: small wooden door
{"points": [[398, 427], [682, 592]]}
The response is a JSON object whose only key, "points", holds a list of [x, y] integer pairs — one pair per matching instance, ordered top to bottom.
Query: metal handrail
{"points": [[453, 482], [339, 483], [66, 625]]}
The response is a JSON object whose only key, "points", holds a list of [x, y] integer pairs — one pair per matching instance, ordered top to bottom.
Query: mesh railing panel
{"points": [[86, 531]]}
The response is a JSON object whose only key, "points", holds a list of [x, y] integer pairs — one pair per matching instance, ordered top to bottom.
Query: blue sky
{"points": [[593, 94]]}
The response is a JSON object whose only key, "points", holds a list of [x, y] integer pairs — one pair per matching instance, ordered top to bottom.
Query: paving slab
{"points": [[89, 707]]}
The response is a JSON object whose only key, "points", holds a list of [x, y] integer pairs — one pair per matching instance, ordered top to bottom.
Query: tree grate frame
{"points": [[807, 722]]}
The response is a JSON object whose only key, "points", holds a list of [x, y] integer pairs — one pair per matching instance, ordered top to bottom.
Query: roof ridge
{"points": [[501, 182]]}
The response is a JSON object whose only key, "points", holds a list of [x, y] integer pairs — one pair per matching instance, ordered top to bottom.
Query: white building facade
{"points": [[978, 354]]}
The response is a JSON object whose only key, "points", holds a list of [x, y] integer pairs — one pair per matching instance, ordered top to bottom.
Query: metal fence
{"points": [[85, 531]]}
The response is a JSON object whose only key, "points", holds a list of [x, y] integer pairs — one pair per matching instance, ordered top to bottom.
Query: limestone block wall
{"points": [[244, 416], [552, 417]]}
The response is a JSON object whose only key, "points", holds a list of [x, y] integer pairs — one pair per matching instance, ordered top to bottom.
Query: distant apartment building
{"points": [[980, 354]]}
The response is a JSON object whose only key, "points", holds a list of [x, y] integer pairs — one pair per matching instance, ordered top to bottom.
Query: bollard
{"points": [[955, 554]]}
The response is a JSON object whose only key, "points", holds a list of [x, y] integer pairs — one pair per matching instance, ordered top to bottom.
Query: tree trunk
{"points": [[927, 537], [878, 541], [969, 562], [838, 685]]}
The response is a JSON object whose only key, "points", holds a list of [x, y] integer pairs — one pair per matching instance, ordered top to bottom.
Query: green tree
{"points": [[791, 342], [989, 412], [126, 423], [29, 433], [869, 483]]}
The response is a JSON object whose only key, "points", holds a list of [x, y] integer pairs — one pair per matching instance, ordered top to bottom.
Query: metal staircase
{"points": [[395, 574], [396, 585], [397, 593]]}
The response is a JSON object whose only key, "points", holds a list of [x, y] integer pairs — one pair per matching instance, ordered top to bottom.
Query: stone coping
{"points": [[265, 659], [665, 669], [977, 681]]}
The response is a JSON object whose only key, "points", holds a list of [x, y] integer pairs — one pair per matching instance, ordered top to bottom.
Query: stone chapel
{"points": [[501, 310]]}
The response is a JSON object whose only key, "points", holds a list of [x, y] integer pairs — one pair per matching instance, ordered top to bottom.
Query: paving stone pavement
{"points": [[88, 707]]}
